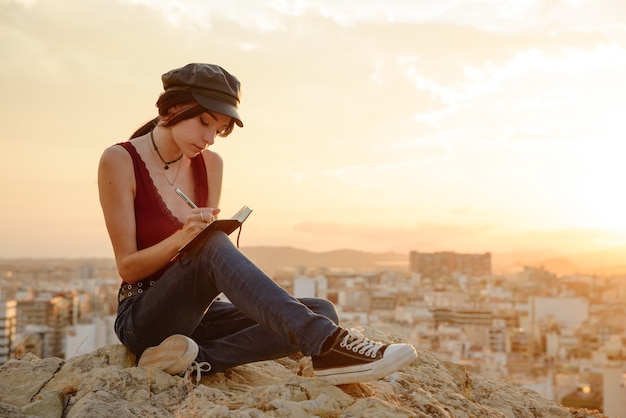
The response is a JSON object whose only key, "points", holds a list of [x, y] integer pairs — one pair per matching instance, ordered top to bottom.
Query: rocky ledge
{"points": [[106, 383]]}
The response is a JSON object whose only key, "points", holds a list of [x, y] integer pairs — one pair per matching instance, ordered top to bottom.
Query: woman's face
{"points": [[198, 133]]}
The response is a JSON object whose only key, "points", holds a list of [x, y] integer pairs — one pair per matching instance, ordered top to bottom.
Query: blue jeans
{"points": [[263, 322]]}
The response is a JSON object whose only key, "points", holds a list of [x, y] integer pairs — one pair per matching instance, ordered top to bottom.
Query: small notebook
{"points": [[225, 225]]}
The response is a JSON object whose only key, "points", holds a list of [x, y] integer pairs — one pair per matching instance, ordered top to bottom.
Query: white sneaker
{"points": [[173, 355]]}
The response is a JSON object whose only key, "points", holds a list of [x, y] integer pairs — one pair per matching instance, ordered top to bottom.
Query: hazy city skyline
{"points": [[412, 125]]}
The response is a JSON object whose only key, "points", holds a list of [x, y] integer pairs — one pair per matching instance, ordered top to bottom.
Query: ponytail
{"points": [[166, 100], [147, 127]]}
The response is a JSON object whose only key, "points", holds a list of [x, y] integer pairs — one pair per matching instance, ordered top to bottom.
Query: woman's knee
{"points": [[215, 241], [322, 307]]}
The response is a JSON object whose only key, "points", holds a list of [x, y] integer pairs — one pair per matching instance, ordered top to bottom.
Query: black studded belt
{"points": [[129, 290]]}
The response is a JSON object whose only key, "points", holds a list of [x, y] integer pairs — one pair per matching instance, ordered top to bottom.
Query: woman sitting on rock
{"points": [[168, 313]]}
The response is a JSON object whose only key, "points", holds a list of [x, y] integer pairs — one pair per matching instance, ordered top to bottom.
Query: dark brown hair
{"points": [[170, 99]]}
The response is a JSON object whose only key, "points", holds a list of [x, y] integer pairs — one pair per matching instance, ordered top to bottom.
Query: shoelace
{"points": [[357, 342], [197, 369]]}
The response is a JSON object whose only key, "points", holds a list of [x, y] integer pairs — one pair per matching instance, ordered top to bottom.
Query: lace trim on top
{"points": [[141, 164]]}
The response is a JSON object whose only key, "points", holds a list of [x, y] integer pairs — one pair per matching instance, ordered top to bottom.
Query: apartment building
{"points": [[446, 264], [51, 316], [8, 319]]}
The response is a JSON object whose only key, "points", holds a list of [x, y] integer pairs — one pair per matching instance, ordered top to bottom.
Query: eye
{"points": [[203, 122]]}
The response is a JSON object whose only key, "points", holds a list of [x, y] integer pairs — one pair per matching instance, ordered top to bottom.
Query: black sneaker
{"points": [[354, 358]]}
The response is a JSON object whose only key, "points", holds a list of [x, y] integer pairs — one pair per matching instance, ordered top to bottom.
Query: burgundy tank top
{"points": [[153, 220]]}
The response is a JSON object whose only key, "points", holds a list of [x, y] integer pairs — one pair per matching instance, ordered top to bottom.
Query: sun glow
{"points": [[600, 181]]}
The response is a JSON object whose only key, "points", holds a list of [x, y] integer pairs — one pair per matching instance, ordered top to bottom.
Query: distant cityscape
{"points": [[563, 336]]}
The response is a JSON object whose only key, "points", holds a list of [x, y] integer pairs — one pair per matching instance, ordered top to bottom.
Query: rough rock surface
{"points": [[106, 383]]}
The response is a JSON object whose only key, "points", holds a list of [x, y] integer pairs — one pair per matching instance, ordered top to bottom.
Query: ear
{"points": [[174, 109], [170, 113]]}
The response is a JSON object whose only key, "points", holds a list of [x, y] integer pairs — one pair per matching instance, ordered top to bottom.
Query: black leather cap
{"points": [[212, 86]]}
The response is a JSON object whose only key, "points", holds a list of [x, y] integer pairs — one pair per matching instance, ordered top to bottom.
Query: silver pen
{"points": [[186, 199]]}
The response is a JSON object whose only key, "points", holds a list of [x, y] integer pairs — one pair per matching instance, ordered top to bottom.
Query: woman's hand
{"points": [[196, 221]]}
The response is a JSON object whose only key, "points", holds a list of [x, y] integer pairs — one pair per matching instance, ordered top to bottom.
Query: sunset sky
{"points": [[401, 125]]}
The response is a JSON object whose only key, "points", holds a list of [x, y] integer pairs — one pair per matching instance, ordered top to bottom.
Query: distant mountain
{"points": [[273, 259], [516, 260], [606, 262]]}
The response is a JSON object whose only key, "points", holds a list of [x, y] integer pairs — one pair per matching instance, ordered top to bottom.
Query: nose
{"points": [[209, 137]]}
